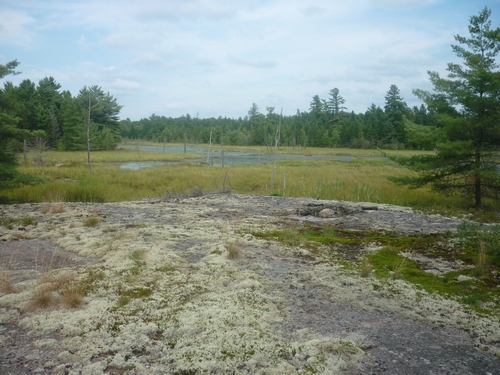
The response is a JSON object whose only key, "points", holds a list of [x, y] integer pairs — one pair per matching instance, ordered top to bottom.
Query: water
{"points": [[230, 157]]}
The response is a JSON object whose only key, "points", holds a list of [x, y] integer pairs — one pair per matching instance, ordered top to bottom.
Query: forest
{"points": [[60, 120], [327, 123]]}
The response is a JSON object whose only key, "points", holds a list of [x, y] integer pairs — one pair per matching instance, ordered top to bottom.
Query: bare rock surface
{"points": [[168, 299]]}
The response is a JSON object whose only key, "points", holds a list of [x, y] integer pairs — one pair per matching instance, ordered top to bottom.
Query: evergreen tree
{"points": [[467, 104], [395, 108], [104, 110], [73, 128], [9, 133]]}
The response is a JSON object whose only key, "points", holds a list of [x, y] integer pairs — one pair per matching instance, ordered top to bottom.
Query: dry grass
{"points": [[52, 208], [233, 251], [482, 263], [366, 268], [6, 283], [49, 285], [72, 297], [42, 298]]}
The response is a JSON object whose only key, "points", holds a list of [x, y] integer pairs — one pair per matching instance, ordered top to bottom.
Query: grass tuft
{"points": [[91, 222], [233, 251], [482, 262], [366, 268], [5, 283], [72, 297], [42, 298]]}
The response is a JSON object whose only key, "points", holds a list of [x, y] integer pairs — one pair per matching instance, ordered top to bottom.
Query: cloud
{"points": [[15, 28], [83, 43], [253, 63], [124, 85]]}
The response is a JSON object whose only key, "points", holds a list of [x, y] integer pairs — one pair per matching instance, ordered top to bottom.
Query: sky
{"points": [[212, 58]]}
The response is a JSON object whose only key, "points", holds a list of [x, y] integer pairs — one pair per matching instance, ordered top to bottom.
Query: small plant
{"points": [[52, 208], [57, 208], [29, 221], [91, 222], [233, 251], [138, 255], [482, 262], [398, 267], [366, 268], [5, 283], [72, 297], [42, 298], [123, 301]]}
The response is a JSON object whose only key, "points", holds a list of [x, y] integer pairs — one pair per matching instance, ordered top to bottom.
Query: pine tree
{"points": [[467, 104]]}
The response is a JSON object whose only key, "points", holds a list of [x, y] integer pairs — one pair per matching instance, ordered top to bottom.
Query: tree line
{"points": [[42, 111], [327, 123]]}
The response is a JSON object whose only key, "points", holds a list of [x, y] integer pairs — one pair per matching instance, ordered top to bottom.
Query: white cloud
{"points": [[15, 28], [218, 57]]}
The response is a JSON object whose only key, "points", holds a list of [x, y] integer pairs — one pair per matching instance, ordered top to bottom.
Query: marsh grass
{"points": [[361, 180]]}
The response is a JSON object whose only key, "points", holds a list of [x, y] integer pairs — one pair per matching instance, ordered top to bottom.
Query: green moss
{"points": [[328, 242], [471, 292]]}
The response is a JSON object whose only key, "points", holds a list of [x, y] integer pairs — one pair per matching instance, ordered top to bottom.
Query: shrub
{"points": [[474, 236]]}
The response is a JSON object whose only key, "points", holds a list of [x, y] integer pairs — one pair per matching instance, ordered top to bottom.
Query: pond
{"points": [[231, 157]]}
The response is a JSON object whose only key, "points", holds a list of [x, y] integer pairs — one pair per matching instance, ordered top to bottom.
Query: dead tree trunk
{"points": [[88, 139], [276, 142]]}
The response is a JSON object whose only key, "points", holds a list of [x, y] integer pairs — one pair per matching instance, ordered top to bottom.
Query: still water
{"points": [[230, 157]]}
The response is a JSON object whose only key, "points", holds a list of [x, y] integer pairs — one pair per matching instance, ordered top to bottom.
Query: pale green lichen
{"points": [[190, 308]]}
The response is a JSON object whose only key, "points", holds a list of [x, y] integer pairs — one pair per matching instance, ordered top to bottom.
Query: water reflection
{"points": [[216, 158]]}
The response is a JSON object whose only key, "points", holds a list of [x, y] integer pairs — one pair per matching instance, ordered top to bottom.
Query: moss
{"points": [[328, 243], [471, 292]]}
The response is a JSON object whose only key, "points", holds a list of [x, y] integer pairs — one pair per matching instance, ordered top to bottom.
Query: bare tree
{"points": [[88, 136], [277, 137], [209, 146]]}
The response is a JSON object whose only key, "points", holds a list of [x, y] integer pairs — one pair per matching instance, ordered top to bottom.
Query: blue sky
{"points": [[215, 58]]}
